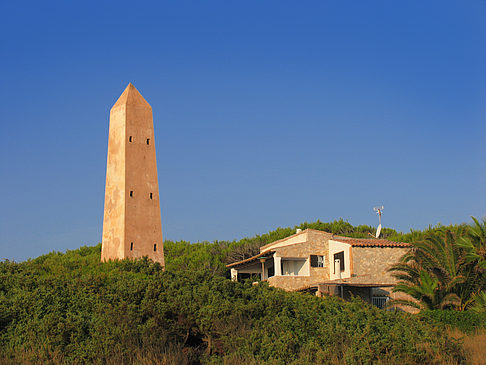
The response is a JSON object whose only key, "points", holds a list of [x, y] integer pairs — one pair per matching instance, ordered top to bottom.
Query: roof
{"points": [[131, 96], [287, 238], [354, 242], [369, 242], [250, 259], [363, 281], [341, 283]]}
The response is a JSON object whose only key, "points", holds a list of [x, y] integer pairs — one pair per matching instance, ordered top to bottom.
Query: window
{"points": [[130, 139], [148, 140], [131, 193], [150, 195], [131, 246], [155, 247], [317, 261], [292, 267], [271, 271], [380, 302]]}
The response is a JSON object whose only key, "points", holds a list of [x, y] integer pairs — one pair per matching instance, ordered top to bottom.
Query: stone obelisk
{"points": [[132, 224]]}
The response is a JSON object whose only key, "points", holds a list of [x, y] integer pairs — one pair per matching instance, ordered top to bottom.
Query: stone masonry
{"points": [[132, 222]]}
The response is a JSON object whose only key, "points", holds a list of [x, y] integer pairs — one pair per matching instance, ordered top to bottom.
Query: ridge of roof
{"points": [[307, 230], [283, 239], [369, 242]]}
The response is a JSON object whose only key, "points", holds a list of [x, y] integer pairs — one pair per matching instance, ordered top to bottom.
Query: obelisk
{"points": [[132, 224]]}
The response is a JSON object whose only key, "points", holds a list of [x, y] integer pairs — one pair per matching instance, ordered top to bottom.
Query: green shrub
{"points": [[70, 308], [465, 321]]}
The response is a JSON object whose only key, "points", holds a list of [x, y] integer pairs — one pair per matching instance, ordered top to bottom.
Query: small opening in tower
{"points": [[130, 139], [148, 140], [131, 193], [150, 195], [131, 246], [155, 247]]}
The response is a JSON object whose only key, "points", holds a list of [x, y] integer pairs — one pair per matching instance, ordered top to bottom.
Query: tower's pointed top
{"points": [[131, 96]]}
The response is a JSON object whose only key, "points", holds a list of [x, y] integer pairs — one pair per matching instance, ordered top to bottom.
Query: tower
{"points": [[131, 224]]}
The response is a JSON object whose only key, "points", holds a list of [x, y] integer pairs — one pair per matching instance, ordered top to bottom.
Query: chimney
{"points": [[298, 230]]}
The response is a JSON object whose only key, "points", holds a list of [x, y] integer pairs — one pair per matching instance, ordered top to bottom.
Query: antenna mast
{"points": [[378, 210]]}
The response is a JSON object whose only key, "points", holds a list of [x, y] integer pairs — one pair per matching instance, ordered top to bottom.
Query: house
{"points": [[326, 264]]}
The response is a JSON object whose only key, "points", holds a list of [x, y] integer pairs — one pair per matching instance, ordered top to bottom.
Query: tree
{"points": [[474, 243], [445, 270], [431, 273]]}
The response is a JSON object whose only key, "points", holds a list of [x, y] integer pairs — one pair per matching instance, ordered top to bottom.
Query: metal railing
{"points": [[379, 302]]}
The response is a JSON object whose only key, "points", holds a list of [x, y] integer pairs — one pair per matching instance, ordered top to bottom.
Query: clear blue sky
{"points": [[267, 114]]}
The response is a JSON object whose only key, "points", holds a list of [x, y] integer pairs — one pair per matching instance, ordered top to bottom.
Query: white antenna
{"points": [[378, 210]]}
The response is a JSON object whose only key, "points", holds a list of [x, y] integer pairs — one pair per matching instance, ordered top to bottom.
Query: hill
{"points": [[71, 308]]}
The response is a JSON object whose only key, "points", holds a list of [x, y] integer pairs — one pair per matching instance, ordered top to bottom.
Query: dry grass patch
{"points": [[474, 345]]}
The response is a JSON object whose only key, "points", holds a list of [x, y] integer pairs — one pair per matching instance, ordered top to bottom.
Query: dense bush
{"points": [[214, 255], [72, 308], [465, 321]]}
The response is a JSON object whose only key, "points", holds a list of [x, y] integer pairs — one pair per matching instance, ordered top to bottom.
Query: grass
{"points": [[474, 345]]}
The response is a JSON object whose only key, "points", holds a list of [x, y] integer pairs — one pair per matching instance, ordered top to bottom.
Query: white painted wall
{"points": [[335, 247], [277, 264], [234, 274]]}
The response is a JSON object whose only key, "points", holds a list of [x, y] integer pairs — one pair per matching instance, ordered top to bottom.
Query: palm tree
{"points": [[474, 245], [443, 271], [431, 273], [479, 302]]}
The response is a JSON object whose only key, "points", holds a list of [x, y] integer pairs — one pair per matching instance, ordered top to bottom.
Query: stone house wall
{"points": [[316, 244], [372, 263]]}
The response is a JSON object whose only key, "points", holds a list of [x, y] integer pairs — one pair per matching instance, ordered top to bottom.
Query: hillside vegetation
{"points": [[214, 255], [71, 308]]}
